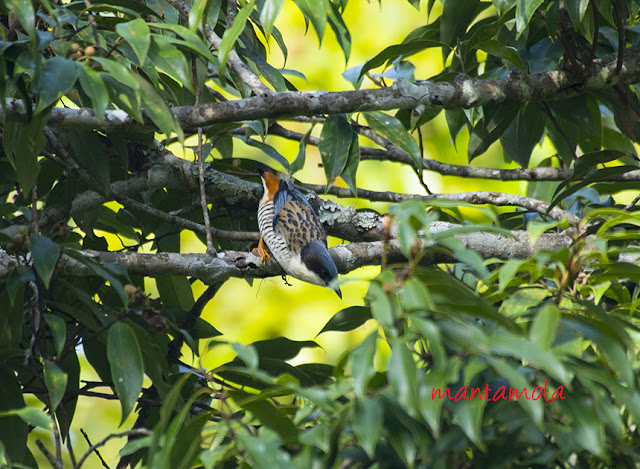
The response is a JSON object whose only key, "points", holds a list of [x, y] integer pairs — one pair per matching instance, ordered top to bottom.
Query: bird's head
{"points": [[270, 181], [317, 259]]}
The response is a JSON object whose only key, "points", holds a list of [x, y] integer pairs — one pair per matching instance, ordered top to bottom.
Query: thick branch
{"points": [[464, 92], [216, 269]]}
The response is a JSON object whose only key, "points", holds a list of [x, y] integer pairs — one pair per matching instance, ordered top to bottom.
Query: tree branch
{"points": [[465, 92], [213, 270]]}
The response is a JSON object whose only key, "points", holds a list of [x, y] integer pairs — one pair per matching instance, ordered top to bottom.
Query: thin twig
{"points": [[618, 7], [596, 32], [554, 121], [203, 194], [498, 199], [632, 203], [34, 209], [183, 222], [86, 437], [92, 448], [48, 455]]}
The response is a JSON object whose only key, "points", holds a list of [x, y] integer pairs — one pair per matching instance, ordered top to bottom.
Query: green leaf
{"points": [[198, 8], [23, 9], [269, 11], [314, 11], [524, 12], [456, 18], [340, 29], [136, 32], [232, 34], [190, 39], [392, 53], [169, 60], [58, 75], [95, 88], [157, 109], [497, 118], [393, 130], [524, 133], [22, 144], [334, 145], [267, 149], [89, 152], [298, 163], [351, 168], [45, 254], [175, 291], [381, 307], [348, 319], [545, 324], [58, 331], [431, 334], [282, 348], [525, 350], [248, 354], [125, 360], [361, 362], [402, 375], [56, 381], [535, 408], [267, 414], [32, 416], [469, 417], [367, 418], [13, 430], [263, 453]]}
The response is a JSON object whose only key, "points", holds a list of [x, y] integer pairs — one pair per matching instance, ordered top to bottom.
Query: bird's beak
{"points": [[338, 292]]}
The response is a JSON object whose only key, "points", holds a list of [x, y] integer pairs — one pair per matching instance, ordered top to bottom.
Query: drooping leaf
{"points": [[136, 32], [232, 34], [391, 129], [334, 145], [45, 255], [348, 319], [127, 368], [56, 382]]}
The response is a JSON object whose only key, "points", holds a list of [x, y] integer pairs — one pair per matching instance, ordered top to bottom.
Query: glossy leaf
{"points": [[314, 11], [524, 12], [269, 13], [137, 34], [232, 34], [392, 53], [56, 78], [391, 129], [334, 145], [89, 152], [298, 163], [45, 255], [348, 319], [543, 329], [58, 330], [282, 348], [361, 361], [127, 369], [402, 374], [56, 381], [368, 417]]}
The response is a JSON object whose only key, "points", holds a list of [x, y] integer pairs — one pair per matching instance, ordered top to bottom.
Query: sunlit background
{"points": [[268, 308]]}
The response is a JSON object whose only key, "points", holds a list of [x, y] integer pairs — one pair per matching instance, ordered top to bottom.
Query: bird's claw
{"points": [[264, 255]]}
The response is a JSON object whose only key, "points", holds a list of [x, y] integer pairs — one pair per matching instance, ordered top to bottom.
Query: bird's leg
{"points": [[264, 255]]}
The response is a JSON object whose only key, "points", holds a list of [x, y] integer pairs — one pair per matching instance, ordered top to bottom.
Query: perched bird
{"points": [[293, 232]]}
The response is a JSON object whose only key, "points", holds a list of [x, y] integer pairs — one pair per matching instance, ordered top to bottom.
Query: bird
{"points": [[292, 232]]}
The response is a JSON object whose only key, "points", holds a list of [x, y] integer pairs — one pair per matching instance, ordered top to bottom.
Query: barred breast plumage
{"points": [[293, 233]]}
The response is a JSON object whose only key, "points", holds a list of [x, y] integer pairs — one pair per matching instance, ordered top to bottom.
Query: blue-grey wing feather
{"points": [[287, 192]]}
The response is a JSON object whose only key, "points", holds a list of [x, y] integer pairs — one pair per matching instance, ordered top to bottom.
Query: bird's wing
{"points": [[287, 192], [297, 223]]}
